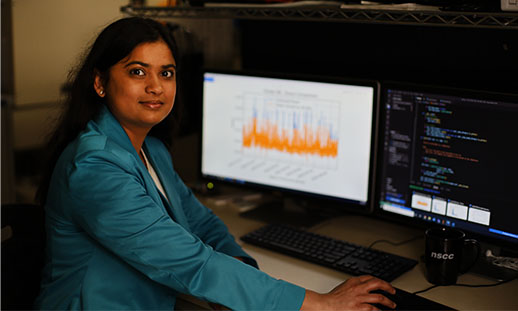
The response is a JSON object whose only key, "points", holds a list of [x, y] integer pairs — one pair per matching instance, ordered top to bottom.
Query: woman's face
{"points": [[141, 88]]}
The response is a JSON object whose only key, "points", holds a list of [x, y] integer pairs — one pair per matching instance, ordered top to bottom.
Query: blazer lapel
{"points": [[109, 126], [172, 203]]}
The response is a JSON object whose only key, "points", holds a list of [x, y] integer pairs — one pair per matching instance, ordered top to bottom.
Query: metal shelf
{"points": [[492, 20]]}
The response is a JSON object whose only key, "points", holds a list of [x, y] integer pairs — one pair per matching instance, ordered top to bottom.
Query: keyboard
{"points": [[325, 251]]}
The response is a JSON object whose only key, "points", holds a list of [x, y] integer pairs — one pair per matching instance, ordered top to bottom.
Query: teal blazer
{"points": [[115, 243]]}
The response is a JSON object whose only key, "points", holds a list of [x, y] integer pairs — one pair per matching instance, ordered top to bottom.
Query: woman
{"points": [[123, 231]]}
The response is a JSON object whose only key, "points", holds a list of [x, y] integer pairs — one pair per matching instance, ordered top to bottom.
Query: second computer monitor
{"points": [[295, 134], [448, 159]]}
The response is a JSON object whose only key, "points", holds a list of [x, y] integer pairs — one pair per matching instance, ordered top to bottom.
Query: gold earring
{"points": [[101, 92]]}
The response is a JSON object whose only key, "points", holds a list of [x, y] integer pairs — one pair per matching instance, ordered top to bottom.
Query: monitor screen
{"points": [[298, 134], [448, 159]]}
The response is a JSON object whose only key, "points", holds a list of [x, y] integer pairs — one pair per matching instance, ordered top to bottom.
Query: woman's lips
{"points": [[153, 104]]}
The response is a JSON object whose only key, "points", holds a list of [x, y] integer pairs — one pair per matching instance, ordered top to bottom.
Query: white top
{"points": [[154, 176]]}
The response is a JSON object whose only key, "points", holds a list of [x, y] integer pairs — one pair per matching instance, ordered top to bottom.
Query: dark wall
{"points": [[463, 57]]}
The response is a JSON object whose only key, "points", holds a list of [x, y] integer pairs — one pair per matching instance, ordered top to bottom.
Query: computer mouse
{"points": [[392, 297], [408, 301]]}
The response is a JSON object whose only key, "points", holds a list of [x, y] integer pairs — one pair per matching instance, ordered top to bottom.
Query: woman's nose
{"points": [[154, 86]]}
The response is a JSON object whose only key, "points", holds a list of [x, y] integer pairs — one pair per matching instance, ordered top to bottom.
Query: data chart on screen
{"points": [[303, 135]]}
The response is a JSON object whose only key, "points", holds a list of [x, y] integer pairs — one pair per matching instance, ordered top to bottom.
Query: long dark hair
{"points": [[82, 103]]}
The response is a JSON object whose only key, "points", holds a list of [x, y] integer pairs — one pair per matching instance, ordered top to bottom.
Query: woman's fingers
{"points": [[378, 284], [380, 299]]}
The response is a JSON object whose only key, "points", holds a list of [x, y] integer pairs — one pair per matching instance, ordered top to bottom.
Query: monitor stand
{"points": [[287, 211]]}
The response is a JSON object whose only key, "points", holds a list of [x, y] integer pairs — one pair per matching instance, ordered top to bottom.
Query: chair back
{"points": [[23, 254]]}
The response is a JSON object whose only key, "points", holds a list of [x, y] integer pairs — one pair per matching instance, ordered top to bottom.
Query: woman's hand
{"points": [[353, 294]]}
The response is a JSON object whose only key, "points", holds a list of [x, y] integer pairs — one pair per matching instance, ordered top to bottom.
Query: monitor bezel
{"points": [[333, 203], [377, 211]]}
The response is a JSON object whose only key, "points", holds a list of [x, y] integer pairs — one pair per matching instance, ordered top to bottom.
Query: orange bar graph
{"points": [[267, 135]]}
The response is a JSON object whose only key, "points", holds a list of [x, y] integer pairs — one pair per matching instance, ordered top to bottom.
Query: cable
{"points": [[395, 243], [466, 285], [486, 285], [426, 289]]}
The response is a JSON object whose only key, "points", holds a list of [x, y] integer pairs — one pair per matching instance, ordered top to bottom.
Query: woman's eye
{"points": [[137, 72], [167, 74]]}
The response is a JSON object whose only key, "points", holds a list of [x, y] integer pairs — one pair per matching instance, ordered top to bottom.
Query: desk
{"points": [[365, 230]]}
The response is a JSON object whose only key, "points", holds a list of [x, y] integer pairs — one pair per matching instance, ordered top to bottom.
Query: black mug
{"points": [[444, 250]]}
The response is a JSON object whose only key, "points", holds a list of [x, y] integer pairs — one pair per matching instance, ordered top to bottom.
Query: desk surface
{"points": [[365, 230]]}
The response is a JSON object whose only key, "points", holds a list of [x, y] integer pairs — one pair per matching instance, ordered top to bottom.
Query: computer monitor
{"points": [[301, 136], [447, 159]]}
